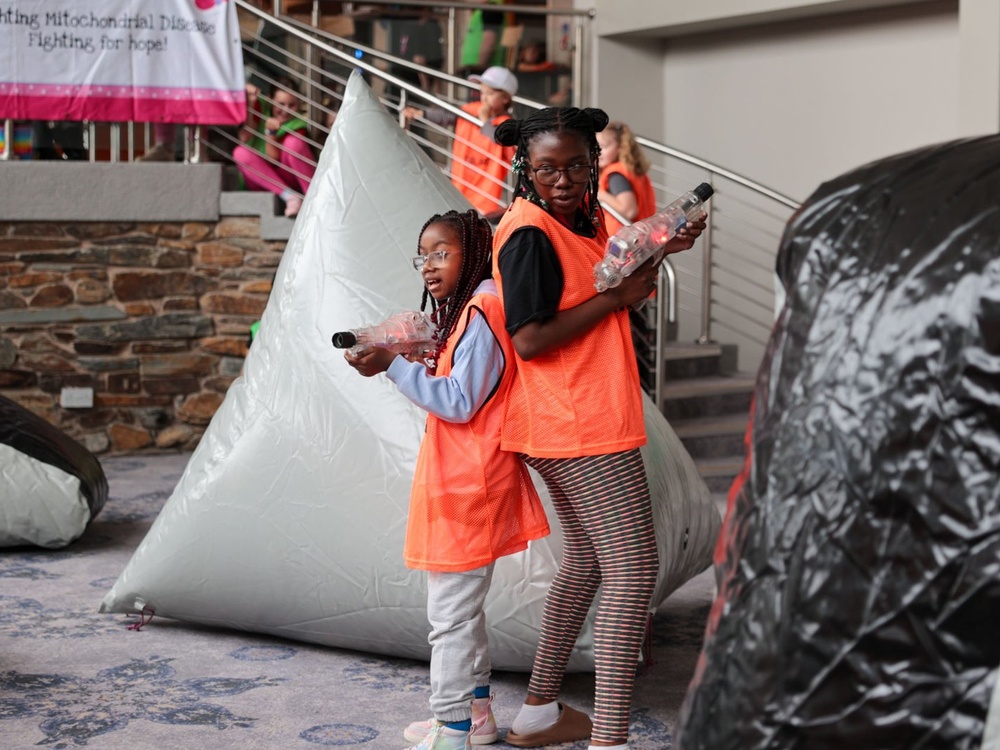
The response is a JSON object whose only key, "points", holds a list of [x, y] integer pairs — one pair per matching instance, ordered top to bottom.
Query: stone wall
{"points": [[154, 317]]}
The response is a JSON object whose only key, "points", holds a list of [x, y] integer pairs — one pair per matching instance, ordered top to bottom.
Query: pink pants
{"points": [[295, 172]]}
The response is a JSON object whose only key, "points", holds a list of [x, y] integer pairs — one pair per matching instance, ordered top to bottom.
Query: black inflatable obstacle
{"points": [[51, 487], [859, 601]]}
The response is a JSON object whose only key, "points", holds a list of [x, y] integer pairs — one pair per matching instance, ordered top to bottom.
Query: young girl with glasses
{"points": [[575, 414], [471, 502]]}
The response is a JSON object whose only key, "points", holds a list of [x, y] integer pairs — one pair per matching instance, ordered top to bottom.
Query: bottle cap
{"points": [[704, 191], [344, 340]]}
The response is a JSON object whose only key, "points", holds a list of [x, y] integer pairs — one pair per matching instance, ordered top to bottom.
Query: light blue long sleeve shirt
{"points": [[477, 366]]}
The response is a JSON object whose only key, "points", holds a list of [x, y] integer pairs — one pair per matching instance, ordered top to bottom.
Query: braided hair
{"points": [[585, 122], [477, 265]]}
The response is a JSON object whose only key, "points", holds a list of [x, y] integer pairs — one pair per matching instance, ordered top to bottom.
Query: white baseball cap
{"points": [[499, 78]]}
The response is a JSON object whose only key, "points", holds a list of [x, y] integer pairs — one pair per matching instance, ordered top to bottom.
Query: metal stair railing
{"points": [[578, 23], [451, 83], [744, 225], [726, 284], [723, 286], [653, 327]]}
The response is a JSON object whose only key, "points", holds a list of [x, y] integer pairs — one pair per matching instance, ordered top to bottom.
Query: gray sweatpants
{"points": [[460, 657]]}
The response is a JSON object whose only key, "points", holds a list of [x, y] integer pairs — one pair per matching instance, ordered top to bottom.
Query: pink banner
{"points": [[112, 60], [112, 104]]}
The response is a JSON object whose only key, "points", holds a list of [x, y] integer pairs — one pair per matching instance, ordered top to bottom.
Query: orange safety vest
{"points": [[471, 155], [642, 187], [582, 398], [471, 502]]}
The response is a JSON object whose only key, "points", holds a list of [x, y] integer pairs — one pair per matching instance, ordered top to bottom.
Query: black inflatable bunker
{"points": [[51, 487], [859, 601]]}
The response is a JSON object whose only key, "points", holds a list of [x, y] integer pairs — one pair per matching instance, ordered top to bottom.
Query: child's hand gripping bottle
{"points": [[633, 245], [407, 333]]}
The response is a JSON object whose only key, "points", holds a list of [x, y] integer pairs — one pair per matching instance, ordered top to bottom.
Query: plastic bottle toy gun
{"points": [[633, 245], [403, 333]]}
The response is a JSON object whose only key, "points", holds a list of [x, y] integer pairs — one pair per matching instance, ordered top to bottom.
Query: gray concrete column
{"points": [[978, 67]]}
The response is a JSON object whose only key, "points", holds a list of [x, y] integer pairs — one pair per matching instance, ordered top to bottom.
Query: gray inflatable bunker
{"points": [[51, 487], [290, 517], [859, 597]]}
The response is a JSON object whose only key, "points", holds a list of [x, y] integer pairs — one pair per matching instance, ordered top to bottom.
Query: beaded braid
{"points": [[585, 122], [477, 266]]}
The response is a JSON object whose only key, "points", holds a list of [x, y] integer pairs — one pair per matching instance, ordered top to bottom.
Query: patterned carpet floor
{"points": [[71, 678]]}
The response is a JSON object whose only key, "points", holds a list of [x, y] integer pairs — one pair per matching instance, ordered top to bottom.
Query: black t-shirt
{"points": [[618, 183], [532, 274]]}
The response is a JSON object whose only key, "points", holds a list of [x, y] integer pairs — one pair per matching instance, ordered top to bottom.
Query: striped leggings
{"points": [[603, 507]]}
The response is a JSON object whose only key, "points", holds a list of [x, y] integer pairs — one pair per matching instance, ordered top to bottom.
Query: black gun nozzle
{"points": [[704, 191], [344, 340]]}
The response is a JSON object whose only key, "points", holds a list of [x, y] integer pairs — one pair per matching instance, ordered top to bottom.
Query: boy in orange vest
{"points": [[479, 166]]}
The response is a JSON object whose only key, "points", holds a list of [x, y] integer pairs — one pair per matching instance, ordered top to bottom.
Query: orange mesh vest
{"points": [[469, 159], [642, 187], [583, 398], [471, 502]]}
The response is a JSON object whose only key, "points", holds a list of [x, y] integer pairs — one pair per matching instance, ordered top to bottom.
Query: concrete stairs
{"points": [[707, 402]]}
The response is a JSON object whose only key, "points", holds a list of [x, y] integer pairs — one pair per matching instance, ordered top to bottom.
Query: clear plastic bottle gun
{"points": [[633, 245], [407, 333]]}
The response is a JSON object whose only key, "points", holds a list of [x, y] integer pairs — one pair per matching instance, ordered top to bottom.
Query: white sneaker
{"points": [[484, 724], [443, 738]]}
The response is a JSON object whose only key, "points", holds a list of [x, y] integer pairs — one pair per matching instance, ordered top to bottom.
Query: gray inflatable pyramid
{"points": [[290, 516]]}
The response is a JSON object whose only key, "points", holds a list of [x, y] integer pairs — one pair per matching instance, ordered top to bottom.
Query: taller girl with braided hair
{"points": [[575, 414], [471, 503]]}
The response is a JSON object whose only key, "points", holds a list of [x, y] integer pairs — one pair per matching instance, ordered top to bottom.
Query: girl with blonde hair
{"points": [[624, 180]]}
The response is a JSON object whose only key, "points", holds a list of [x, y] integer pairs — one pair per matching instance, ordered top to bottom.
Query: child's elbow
{"points": [[526, 343], [526, 352], [459, 416]]}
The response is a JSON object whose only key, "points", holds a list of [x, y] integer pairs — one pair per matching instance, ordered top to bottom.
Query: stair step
{"points": [[677, 350], [682, 361], [707, 397], [708, 405], [725, 424], [713, 437], [719, 473]]}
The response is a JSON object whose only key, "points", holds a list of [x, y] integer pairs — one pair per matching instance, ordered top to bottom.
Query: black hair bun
{"points": [[598, 117], [508, 132]]}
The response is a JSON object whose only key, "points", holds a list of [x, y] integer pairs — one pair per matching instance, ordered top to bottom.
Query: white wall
{"points": [[676, 17], [979, 66], [919, 70], [631, 84], [790, 93], [795, 104]]}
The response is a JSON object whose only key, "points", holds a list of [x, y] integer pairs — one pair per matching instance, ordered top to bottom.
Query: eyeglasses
{"points": [[546, 175], [434, 260]]}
